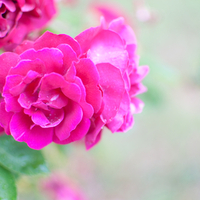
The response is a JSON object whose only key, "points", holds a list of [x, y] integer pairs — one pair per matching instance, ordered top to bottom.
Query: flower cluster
{"points": [[20, 17], [59, 89]]}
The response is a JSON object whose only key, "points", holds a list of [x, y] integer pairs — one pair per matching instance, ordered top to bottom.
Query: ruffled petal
{"points": [[125, 31], [85, 38], [50, 40], [25, 45], [108, 47], [69, 55], [52, 58], [7, 61], [24, 66], [87, 72], [138, 74], [54, 81], [113, 89], [53, 98], [137, 105], [87, 108], [124, 109], [73, 116], [5, 118], [48, 119], [19, 125], [94, 133], [77, 134], [35, 137], [39, 137]]}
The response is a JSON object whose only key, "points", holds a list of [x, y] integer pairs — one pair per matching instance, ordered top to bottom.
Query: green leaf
{"points": [[19, 158], [7, 185]]}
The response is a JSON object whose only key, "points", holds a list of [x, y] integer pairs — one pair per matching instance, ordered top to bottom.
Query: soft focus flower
{"points": [[109, 12], [144, 13], [20, 17], [112, 48], [49, 94], [57, 188]]}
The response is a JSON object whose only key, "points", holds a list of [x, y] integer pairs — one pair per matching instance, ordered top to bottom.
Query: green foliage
{"points": [[19, 158], [7, 185]]}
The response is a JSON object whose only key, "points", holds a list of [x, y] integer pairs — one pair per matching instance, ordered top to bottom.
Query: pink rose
{"points": [[20, 17], [112, 48], [49, 93], [57, 188]]}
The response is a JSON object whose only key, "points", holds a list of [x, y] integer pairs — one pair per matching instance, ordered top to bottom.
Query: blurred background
{"points": [[159, 158]]}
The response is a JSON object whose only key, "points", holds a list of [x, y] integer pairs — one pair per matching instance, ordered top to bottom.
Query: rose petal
{"points": [[21, 2], [9, 5], [27, 7], [4, 27], [125, 31], [85, 38], [49, 39], [25, 45], [108, 47], [69, 55], [52, 58], [7, 61], [24, 66], [88, 73], [70, 74], [139, 74], [11, 81], [53, 81], [18, 89], [113, 89], [136, 89], [53, 98], [11, 100], [26, 100], [12, 104], [137, 105], [87, 108], [73, 116], [5, 117], [40, 119], [48, 119], [118, 120], [128, 122], [19, 125], [77, 134], [93, 135], [39, 137], [35, 138]]}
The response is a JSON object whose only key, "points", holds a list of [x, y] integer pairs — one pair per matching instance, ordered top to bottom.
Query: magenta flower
{"points": [[20, 17], [112, 48], [61, 90], [49, 94], [57, 188]]}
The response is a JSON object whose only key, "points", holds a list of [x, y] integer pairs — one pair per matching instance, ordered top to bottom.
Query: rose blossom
{"points": [[20, 17], [112, 48], [62, 90], [49, 94], [58, 188]]}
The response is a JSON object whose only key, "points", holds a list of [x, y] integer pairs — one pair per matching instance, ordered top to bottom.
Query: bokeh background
{"points": [[159, 159]]}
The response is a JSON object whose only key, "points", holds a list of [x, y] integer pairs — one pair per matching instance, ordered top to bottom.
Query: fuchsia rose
{"points": [[20, 17], [112, 48], [62, 89], [48, 92], [57, 188]]}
